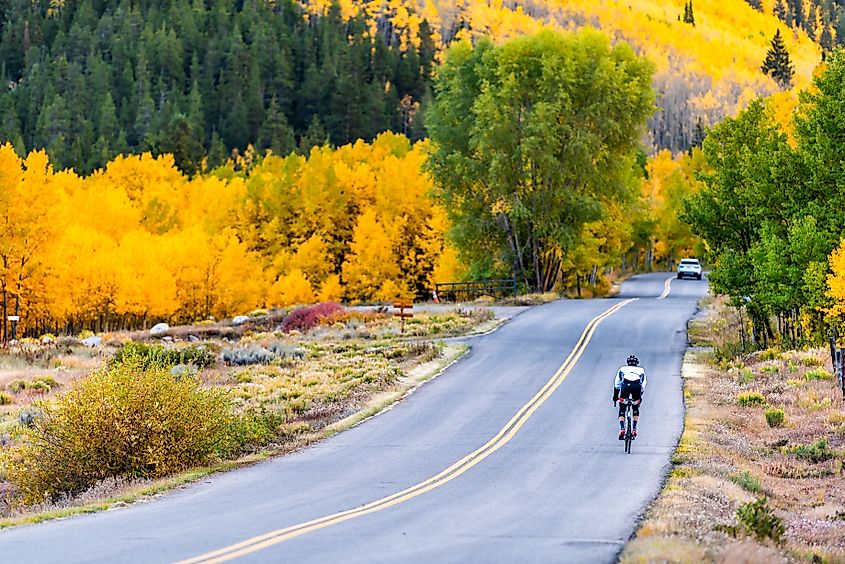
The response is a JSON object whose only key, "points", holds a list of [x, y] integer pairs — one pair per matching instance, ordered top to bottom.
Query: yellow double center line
{"points": [[666, 286], [502, 438]]}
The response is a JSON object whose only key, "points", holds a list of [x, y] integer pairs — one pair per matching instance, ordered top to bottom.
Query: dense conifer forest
{"points": [[92, 79]]}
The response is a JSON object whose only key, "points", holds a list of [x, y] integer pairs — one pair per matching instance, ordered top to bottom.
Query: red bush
{"points": [[307, 317]]}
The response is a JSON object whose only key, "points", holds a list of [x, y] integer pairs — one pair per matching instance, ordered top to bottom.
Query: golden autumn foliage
{"points": [[705, 71], [670, 180], [138, 242], [836, 281]]}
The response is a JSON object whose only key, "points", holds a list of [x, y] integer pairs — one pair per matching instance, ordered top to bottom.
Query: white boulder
{"points": [[240, 320], [159, 329], [92, 341]]}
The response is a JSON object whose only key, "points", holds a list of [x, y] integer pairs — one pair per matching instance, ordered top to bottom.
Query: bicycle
{"points": [[629, 429]]}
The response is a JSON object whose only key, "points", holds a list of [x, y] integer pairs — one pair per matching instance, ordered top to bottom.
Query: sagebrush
{"points": [[127, 420]]}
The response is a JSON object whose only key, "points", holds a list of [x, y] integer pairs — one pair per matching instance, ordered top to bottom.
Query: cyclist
{"points": [[629, 384]]}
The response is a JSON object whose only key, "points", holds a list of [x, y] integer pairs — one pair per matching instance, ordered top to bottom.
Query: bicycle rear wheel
{"points": [[628, 435]]}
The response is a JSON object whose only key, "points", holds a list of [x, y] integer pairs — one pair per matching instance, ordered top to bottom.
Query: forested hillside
{"points": [[707, 67], [91, 79]]}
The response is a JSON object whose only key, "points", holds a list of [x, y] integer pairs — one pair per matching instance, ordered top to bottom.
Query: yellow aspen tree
{"points": [[27, 226], [313, 260], [371, 261], [836, 281], [240, 282], [146, 288], [291, 289], [331, 290]]}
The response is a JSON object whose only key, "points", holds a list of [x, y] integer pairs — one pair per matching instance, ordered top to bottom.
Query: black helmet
{"points": [[633, 361]]}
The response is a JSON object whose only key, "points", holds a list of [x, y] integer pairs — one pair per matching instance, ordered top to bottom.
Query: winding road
{"points": [[510, 456]]}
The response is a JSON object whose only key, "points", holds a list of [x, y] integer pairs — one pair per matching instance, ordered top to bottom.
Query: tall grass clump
{"points": [[151, 355], [817, 374], [749, 399], [774, 417], [127, 420], [816, 452], [746, 481], [759, 521]]}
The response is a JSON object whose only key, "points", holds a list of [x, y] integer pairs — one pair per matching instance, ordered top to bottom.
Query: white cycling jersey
{"points": [[631, 374]]}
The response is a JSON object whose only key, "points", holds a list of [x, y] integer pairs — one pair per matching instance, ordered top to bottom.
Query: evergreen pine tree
{"points": [[779, 10], [689, 17], [777, 63], [108, 128], [275, 133], [698, 136], [315, 137], [182, 142], [217, 153]]}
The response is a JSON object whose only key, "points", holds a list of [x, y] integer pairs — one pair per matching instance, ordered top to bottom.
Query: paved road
{"points": [[555, 486]]}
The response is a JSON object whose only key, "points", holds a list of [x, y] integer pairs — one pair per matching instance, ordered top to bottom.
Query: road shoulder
{"points": [[729, 458]]}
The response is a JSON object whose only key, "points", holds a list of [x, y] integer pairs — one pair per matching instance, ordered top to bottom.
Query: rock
{"points": [[240, 320], [159, 329], [193, 338], [167, 339], [47, 340], [93, 341]]}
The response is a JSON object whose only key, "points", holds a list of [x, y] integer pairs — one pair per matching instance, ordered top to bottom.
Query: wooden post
{"points": [[402, 314], [840, 371]]}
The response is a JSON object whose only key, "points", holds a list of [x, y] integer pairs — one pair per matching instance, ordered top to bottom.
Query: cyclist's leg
{"points": [[624, 393], [636, 397], [621, 415]]}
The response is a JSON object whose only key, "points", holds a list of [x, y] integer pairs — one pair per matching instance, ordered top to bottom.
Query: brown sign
{"points": [[402, 314]]}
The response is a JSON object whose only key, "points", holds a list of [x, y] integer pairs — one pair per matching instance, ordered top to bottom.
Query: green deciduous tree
{"points": [[532, 138]]}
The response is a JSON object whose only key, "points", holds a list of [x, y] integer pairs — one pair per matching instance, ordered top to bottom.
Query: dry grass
{"points": [[354, 366], [728, 455]]}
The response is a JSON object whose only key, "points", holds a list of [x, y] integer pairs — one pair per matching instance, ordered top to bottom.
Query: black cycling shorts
{"points": [[631, 390]]}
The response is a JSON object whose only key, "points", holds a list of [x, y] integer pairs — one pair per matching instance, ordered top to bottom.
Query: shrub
{"points": [[307, 317], [287, 351], [157, 354], [770, 354], [246, 356], [812, 361], [770, 369], [818, 374], [745, 375], [47, 380], [16, 386], [39, 387], [6, 399], [749, 399], [28, 416], [774, 417], [127, 420], [255, 429], [818, 451], [746, 481], [759, 521]]}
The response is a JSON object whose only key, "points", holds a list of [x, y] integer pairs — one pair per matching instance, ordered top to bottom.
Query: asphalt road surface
{"points": [[510, 456]]}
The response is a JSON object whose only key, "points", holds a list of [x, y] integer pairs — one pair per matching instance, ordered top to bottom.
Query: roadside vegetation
{"points": [[80, 424], [758, 473]]}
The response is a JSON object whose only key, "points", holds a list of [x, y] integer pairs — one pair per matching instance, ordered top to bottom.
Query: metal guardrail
{"points": [[466, 291]]}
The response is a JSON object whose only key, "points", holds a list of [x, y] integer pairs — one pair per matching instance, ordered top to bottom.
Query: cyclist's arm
{"points": [[643, 381], [617, 385]]}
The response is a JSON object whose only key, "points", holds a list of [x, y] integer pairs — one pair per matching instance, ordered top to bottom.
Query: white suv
{"points": [[689, 267]]}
